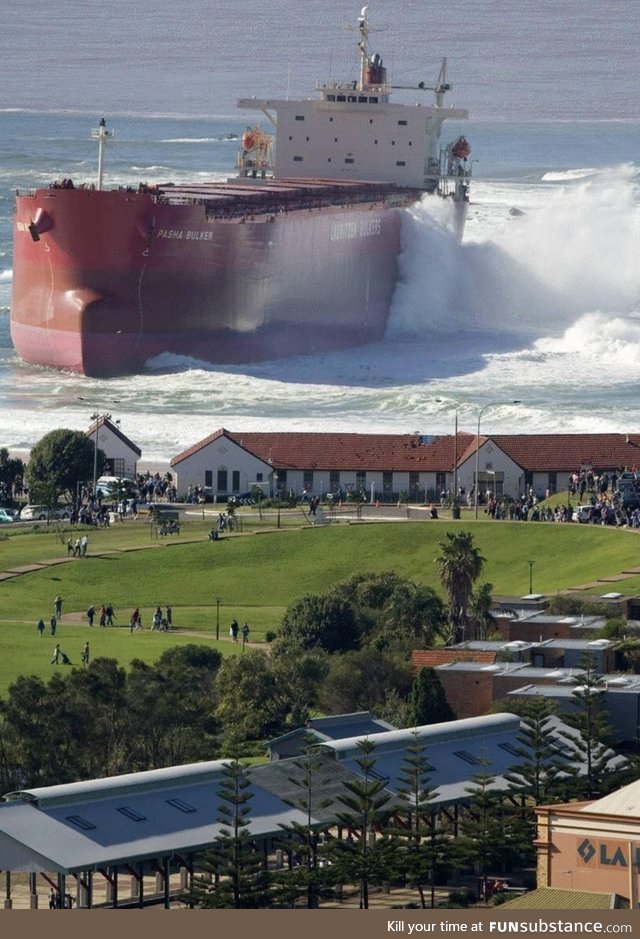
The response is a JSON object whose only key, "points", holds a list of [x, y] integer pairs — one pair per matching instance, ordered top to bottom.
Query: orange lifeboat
{"points": [[248, 140], [461, 148]]}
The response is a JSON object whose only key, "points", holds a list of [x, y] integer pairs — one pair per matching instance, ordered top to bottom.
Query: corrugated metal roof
{"points": [[625, 801], [552, 898]]}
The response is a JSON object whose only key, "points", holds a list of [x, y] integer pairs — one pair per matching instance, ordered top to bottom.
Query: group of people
{"points": [[78, 548], [106, 618], [160, 622], [234, 631]]}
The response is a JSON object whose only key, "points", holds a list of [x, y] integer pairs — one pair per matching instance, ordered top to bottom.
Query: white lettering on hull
{"points": [[365, 228]]}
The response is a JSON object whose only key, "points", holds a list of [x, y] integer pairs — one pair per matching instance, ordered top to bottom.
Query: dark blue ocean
{"points": [[541, 301]]}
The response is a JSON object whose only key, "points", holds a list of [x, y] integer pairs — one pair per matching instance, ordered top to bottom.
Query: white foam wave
{"points": [[555, 177], [573, 250], [6, 275]]}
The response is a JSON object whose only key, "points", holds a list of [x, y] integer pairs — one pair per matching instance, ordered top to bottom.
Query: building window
{"points": [[299, 117], [403, 123], [297, 159], [348, 160], [400, 163], [118, 467], [258, 477], [208, 478], [222, 480], [307, 480], [334, 480], [361, 480], [235, 481], [387, 482], [492, 482], [553, 482], [414, 483], [441, 483]]}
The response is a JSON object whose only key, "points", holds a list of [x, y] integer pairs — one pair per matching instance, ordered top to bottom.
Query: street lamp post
{"points": [[492, 404], [455, 454], [530, 563], [218, 618]]}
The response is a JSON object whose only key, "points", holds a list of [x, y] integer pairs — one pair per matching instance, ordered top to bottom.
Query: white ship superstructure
{"points": [[353, 131]]}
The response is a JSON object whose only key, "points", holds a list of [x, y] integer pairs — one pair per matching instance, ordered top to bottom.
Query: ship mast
{"points": [[363, 45], [101, 134]]}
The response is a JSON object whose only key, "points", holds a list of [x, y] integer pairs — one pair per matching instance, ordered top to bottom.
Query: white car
{"points": [[107, 485], [42, 513]]}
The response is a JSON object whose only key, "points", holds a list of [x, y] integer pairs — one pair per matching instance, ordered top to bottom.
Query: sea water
{"points": [[539, 304]]}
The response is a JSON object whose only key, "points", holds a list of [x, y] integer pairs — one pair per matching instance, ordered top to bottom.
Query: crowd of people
{"points": [[602, 498]]}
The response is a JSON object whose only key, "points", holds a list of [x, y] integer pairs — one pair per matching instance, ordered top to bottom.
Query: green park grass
{"points": [[257, 575]]}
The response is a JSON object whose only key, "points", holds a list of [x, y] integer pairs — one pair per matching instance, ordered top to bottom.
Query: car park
{"points": [[32, 513]]}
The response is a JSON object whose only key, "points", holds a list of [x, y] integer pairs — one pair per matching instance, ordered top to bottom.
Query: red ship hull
{"points": [[103, 281]]}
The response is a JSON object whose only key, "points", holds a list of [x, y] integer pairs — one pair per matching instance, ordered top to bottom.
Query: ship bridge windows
{"points": [[331, 98], [341, 98], [352, 99], [362, 99], [373, 100], [299, 117], [403, 123], [298, 159], [348, 160], [400, 163]]}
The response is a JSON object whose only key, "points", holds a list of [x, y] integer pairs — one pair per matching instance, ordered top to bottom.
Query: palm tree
{"points": [[459, 565], [480, 609]]}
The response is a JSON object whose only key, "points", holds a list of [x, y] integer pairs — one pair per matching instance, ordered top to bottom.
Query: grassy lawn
{"points": [[257, 575]]}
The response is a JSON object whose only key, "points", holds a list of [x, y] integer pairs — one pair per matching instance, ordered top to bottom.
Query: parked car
{"points": [[106, 486], [42, 513], [582, 514], [6, 516]]}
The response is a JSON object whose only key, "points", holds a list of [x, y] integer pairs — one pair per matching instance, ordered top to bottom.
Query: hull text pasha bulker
{"points": [[297, 254]]}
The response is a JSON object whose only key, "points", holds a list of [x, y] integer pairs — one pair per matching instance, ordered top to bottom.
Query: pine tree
{"points": [[427, 700], [591, 719], [482, 831], [420, 847], [365, 857], [309, 877], [239, 878]]}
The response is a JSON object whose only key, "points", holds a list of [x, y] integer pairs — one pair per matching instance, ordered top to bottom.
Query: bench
{"points": [[166, 522]]}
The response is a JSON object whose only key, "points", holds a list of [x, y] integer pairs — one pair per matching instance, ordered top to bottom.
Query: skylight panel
{"points": [[131, 813]]}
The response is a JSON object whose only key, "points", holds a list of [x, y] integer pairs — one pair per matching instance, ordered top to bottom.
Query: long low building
{"points": [[391, 466], [157, 822]]}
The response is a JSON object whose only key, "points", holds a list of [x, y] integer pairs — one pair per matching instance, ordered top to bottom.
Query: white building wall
{"points": [[115, 448], [221, 454], [492, 459]]}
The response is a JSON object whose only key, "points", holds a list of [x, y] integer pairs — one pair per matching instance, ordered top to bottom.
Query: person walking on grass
{"points": [[57, 607], [40, 627], [57, 652]]}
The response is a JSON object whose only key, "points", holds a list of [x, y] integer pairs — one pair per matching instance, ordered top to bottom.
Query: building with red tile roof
{"points": [[388, 465]]}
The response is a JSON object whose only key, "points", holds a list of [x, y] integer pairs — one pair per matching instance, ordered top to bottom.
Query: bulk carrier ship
{"points": [[297, 254]]}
